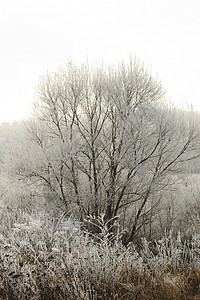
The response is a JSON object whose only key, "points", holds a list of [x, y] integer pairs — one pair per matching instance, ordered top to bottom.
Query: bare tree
{"points": [[108, 142]]}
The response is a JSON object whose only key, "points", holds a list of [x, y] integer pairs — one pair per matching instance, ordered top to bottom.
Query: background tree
{"points": [[107, 143]]}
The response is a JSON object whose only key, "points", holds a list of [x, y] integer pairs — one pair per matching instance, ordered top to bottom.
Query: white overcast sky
{"points": [[39, 35]]}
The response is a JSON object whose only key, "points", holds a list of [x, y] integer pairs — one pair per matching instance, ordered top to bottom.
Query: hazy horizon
{"points": [[37, 36]]}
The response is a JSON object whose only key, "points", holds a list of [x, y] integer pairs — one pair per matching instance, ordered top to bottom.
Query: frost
{"points": [[35, 224], [22, 226], [1, 238], [55, 250]]}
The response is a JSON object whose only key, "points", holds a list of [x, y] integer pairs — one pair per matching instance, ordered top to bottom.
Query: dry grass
{"points": [[39, 262]]}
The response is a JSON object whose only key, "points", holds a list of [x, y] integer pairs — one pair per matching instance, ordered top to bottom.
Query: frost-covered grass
{"points": [[40, 260]]}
